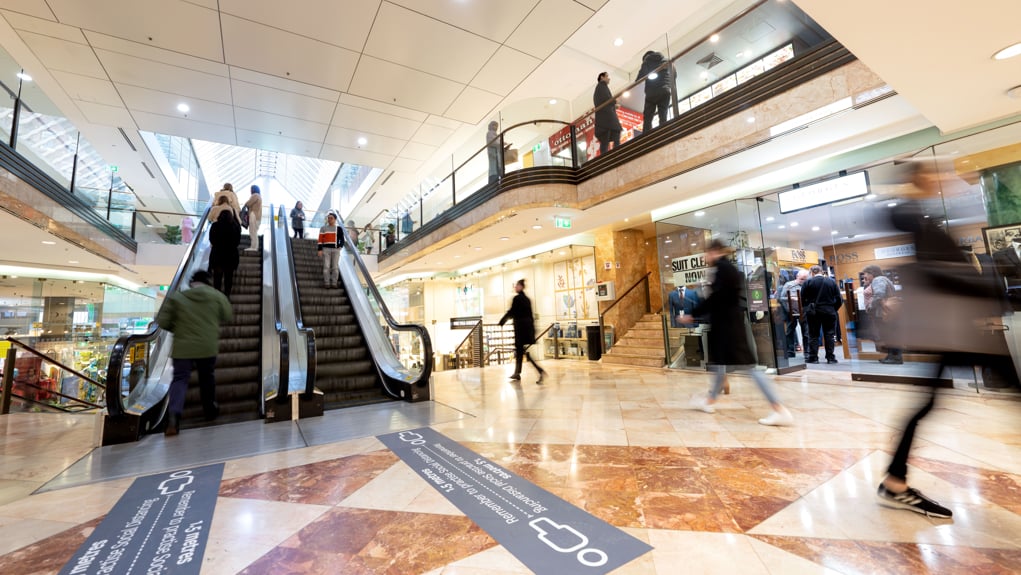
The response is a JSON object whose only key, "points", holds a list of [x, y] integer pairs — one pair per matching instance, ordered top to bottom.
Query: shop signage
{"points": [[585, 132], [850, 186], [562, 222], [890, 252], [797, 256], [689, 269], [757, 295], [464, 322], [160, 525], [549, 535]]}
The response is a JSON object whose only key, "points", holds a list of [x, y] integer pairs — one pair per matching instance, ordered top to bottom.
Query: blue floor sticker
{"points": [[160, 525], [546, 533]]}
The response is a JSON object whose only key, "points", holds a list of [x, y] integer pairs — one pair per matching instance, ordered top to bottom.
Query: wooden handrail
{"points": [[648, 305]]}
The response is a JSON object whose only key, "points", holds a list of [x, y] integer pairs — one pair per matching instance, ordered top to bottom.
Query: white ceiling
{"points": [[938, 55]]}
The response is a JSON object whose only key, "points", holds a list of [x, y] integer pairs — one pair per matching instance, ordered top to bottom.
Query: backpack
{"points": [[244, 217]]}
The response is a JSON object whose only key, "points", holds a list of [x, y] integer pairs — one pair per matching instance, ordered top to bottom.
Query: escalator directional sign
{"points": [[160, 525], [549, 535]]}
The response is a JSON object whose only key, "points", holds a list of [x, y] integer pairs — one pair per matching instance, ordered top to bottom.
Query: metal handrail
{"points": [[648, 305], [309, 333], [423, 333], [34, 351], [114, 404]]}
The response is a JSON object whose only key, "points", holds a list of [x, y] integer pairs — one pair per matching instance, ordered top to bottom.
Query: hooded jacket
{"points": [[659, 87], [194, 316]]}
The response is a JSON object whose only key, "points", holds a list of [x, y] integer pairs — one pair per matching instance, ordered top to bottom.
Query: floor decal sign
{"points": [[160, 525], [549, 535]]}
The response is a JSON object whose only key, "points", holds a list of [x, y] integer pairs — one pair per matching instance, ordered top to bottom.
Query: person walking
{"points": [[658, 82], [607, 122], [232, 200], [254, 205], [298, 221], [224, 240], [329, 249], [820, 299], [880, 300], [793, 314], [194, 316], [524, 330], [730, 342]]}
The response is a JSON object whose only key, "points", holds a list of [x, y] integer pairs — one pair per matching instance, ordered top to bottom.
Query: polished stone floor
{"points": [[711, 493]]}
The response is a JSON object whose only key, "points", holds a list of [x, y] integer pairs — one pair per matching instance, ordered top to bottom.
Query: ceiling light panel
{"points": [[493, 20], [345, 24], [548, 26], [435, 47], [279, 53], [63, 55], [504, 71], [136, 72], [387, 82], [283, 102], [473, 105], [373, 122], [378, 144]]}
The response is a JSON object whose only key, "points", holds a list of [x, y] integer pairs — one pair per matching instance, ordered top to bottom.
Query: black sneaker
{"points": [[832, 361], [542, 376], [516, 377], [912, 500]]}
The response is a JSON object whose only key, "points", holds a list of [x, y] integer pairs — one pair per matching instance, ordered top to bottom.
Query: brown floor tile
{"points": [[665, 456], [602, 477], [671, 479], [1003, 489], [686, 512], [48, 555]]}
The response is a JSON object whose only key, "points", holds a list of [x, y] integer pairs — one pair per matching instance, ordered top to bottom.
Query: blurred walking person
{"points": [[881, 301], [949, 310], [194, 316], [524, 330], [730, 342]]}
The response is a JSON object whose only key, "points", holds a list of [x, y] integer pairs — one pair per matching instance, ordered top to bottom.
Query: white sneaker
{"points": [[701, 403], [778, 418]]}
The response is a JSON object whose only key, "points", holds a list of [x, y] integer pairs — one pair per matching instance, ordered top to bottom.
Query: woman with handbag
{"points": [[881, 304]]}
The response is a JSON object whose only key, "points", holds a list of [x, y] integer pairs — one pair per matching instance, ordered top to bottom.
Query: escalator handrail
{"points": [[299, 321], [427, 351], [284, 363], [114, 372]]}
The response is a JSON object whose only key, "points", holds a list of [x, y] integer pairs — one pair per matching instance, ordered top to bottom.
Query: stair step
{"points": [[651, 351], [633, 361]]}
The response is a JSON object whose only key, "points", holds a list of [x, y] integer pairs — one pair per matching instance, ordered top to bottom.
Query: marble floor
{"points": [[711, 493]]}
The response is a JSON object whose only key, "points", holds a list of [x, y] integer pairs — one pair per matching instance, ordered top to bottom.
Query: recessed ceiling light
{"points": [[714, 38], [618, 42], [1008, 52], [739, 55], [653, 75], [704, 75], [24, 77], [627, 93], [552, 101], [183, 108], [751, 119], [362, 141], [870, 197], [892, 205], [699, 214], [770, 218], [627, 219], [794, 224], [536, 227], [782, 227], [815, 228], [833, 233], [504, 238], [668, 241], [49, 243], [693, 245], [478, 248], [563, 253], [457, 257], [666, 257], [72, 261]]}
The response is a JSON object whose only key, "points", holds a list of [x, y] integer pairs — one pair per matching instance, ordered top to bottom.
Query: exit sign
{"points": [[537, 148], [114, 168], [562, 222]]}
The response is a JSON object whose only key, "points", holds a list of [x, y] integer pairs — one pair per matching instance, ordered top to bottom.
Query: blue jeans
{"points": [[720, 374], [179, 385]]}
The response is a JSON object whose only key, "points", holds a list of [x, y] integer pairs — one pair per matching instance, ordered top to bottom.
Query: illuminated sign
{"points": [[851, 186]]}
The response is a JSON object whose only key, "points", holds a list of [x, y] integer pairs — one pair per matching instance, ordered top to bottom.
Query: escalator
{"points": [[238, 366], [140, 368], [345, 372]]}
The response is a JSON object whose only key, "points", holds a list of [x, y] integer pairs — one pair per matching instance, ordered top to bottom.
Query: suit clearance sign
{"points": [[689, 269]]}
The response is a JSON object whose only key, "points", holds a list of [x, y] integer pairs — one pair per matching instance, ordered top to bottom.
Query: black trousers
{"points": [[659, 105], [605, 138], [299, 233], [223, 277], [826, 321], [519, 355]]}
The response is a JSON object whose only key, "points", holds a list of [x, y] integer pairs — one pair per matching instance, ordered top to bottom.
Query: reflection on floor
{"points": [[713, 493]]}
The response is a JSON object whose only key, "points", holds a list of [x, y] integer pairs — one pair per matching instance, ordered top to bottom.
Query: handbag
{"points": [[510, 155], [244, 217], [810, 308]]}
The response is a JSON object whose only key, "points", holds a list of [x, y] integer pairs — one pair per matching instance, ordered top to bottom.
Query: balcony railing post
{"points": [[574, 152], [74, 163], [134, 222], [8, 381]]}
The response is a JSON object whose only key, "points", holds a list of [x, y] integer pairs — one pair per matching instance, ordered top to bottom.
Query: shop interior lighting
{"points": [[714, 38], [618, 42], [1008, 52], [739, 55], [653, 75], [626, 94], [552, 101], [183, 108], [751, 119], [362, 141], [892, 205], [699, 214], [770, 218], [794, 224], [536, 227], [782, 227], [815, 228], [835, 232], [504, 238], [668, 241], [49, 243], [694, 244], [478, 248], [72, 262]]}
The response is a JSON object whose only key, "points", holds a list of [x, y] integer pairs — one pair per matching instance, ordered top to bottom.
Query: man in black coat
{"points": [[658, 83], [607, 122], [823, 294], [524, 330]]}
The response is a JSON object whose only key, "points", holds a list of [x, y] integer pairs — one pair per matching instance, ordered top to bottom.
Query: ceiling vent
{"points": [[709, 61]]}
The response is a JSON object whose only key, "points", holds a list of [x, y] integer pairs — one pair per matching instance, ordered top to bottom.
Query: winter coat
{"points": [[660, 87], [606, 117], [233, 199], [254, 205], [297, 219], [224, 239], [726, 309], [194, 316], [524, 324]]}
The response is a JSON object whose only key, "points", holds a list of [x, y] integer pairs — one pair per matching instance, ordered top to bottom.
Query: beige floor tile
{"points": [[261, 522], [16, 532]]}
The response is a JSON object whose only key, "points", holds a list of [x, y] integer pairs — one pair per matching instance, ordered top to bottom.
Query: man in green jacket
{"points": [[194, 317]]}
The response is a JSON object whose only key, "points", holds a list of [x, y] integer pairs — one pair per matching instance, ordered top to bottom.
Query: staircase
{"points": [[641, 346], [239, 363], [345, 371]]}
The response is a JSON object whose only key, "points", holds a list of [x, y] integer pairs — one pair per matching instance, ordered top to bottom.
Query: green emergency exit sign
{"points": [[562, 222]]}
